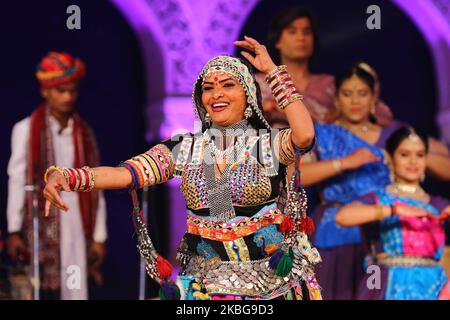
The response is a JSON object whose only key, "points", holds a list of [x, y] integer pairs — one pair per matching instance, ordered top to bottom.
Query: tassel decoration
{"points": [[287, 225], [307, 225], [275, 259], [281, 262], [284, 266], [164, 267], [169, 291]]}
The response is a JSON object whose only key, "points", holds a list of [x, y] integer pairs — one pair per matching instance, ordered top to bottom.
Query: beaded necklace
{"points": [[411, 189]]}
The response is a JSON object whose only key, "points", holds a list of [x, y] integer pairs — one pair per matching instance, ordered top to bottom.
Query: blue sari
{"points": [[337, 142]]}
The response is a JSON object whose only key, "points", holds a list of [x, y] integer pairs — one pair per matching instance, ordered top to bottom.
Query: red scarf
{"points": [[40, 157]]}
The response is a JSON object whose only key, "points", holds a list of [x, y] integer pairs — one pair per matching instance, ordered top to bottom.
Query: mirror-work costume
{"points": [[247, 227]]}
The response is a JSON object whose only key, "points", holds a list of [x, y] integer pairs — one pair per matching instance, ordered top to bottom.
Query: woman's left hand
{"points": [[262, 60], [445, 214]]}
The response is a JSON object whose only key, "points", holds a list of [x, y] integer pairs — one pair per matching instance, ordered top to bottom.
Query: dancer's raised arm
{"points": [[287, 96]]}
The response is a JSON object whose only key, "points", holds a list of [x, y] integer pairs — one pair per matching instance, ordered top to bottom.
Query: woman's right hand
{"points": [[359, 158], [55, 184]]}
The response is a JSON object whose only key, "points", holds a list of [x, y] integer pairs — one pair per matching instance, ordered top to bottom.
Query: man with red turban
{"points": [[55, 134]]}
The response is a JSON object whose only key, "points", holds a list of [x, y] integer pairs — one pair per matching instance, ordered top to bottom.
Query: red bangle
{"points": [[277, 75], [286, 88], [72, 178]]}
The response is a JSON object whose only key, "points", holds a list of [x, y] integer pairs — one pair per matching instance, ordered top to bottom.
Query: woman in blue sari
{"points": [[347, 163], [402, 227]]}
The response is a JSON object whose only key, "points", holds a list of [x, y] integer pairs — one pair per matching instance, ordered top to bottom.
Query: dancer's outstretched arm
{"points": [[105, 178]]}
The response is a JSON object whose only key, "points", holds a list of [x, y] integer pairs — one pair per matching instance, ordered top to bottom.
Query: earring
{"points": [[373, 109], [248, 113], [207, 120], [422, 177]]}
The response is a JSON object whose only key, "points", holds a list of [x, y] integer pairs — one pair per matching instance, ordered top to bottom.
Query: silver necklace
{"points": [[241, 127], [361, 128], [221, 154], [219, 193]]}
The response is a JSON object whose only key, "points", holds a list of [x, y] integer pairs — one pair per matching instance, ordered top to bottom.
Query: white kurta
{"points": [[73, 247]]}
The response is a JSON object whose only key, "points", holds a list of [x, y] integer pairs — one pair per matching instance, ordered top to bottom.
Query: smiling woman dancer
{"points": [[403, 227], [238, 244]]}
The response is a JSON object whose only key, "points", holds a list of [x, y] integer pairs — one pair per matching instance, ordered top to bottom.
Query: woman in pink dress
{"points": [[402, 227]]}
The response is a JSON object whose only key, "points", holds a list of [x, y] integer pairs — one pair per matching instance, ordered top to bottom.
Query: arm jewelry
{"points": [[282, 86], [337, 165], [150, 168], [78, 179]]}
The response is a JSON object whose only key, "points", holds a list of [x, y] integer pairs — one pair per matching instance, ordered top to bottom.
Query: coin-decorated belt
{"points": [[248, 278]]}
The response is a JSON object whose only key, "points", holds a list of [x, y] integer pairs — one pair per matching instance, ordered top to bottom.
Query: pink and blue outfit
{"points": [[411, 248]]}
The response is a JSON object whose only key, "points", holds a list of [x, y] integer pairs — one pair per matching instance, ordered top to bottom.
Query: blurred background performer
{"points": [[293, 40], [55, 133], [347, 163], [403, 226]]}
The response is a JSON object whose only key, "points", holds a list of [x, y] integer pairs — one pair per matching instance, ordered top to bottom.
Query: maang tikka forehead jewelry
{"points": [[236, 68], [216, 76], [413, 137]]}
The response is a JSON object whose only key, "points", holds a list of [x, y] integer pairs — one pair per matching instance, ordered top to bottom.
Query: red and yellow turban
{"points": [[58, 68]]}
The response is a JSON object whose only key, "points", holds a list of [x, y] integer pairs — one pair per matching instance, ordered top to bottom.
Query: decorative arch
{"points": [[432, 18]]}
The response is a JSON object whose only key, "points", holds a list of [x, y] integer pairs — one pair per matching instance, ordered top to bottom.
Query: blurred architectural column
{"points": [[432, 18]]}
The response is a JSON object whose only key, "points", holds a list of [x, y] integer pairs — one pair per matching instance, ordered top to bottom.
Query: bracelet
{"points": [[275, 71], [282, 86], [337, 165], [55, 168], [91, 179], [82, 180], [379, 213]]}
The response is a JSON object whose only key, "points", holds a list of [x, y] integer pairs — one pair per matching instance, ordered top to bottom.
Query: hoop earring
{"points": [[248, 113]]}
